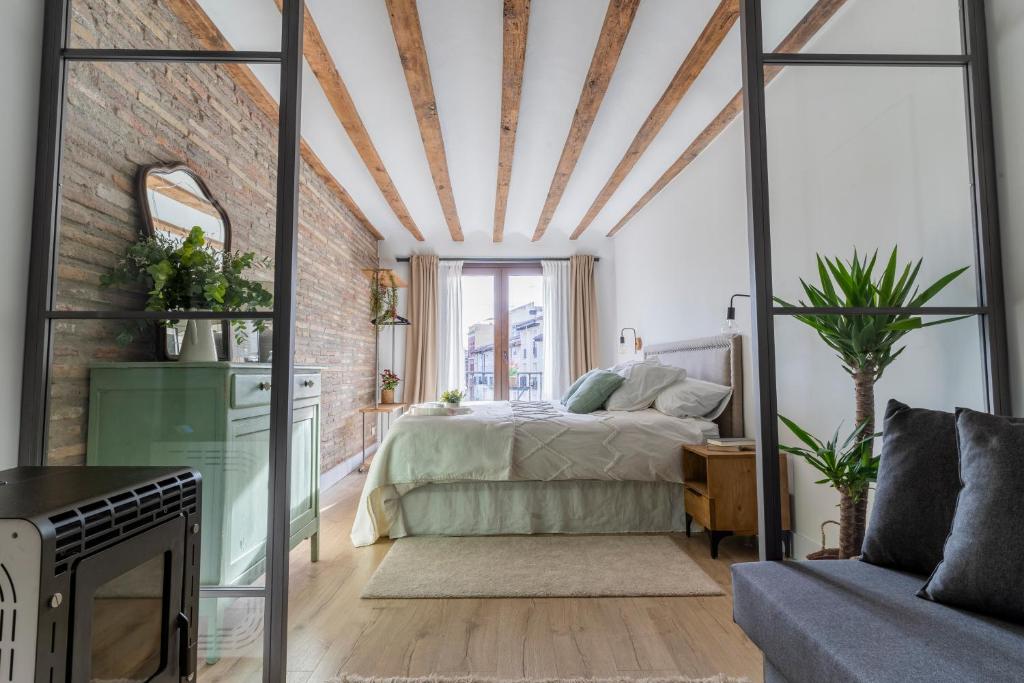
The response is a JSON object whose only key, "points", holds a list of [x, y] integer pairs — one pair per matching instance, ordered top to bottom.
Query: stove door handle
{"points": [[185, 647]]}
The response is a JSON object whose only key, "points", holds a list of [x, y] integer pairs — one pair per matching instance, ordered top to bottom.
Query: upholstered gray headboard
{"points": [[716, 359]]}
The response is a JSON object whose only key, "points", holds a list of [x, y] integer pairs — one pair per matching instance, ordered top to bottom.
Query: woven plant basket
{"points": [[825, 553]]}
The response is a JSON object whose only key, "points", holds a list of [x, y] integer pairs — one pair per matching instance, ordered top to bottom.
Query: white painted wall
{"points": [[20, 50], [859, 158]]}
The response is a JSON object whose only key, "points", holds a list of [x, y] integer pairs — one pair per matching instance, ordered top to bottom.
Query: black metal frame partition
{"points": [[990, 308], [41, 313]]}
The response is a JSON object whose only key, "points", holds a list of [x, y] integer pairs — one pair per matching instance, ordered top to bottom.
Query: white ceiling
{"points": [[464, 44]]}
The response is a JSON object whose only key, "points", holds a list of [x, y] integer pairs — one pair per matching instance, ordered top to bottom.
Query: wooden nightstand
{"points": [[720, 492]]}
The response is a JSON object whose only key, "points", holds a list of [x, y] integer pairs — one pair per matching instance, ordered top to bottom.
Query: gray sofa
{"points": [[846, 620]]}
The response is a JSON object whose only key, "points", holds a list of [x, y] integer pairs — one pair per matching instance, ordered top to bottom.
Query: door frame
{"points": [[501, 273]]}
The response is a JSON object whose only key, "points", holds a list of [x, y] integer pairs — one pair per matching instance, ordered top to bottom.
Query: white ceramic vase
{"points": [[198, 344]]}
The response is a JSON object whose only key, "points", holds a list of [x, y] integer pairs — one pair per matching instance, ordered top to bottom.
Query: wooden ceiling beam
{"points": [[617, 22], [516, 23], [405, 24], [717, 28], [210, 38], [795, 41], [318, 56], [184, 197]]}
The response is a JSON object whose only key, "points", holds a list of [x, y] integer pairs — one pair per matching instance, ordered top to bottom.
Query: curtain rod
{"points": [[405, 259]]}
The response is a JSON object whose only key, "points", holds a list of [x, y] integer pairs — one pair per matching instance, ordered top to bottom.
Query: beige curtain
{"points": [[582, 316], [421, 338]]}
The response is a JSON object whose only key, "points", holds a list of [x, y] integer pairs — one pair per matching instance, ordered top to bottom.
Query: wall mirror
{"points": [[174, 199]]}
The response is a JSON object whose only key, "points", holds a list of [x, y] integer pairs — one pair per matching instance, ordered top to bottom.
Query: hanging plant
{"points": [[383, 300]]}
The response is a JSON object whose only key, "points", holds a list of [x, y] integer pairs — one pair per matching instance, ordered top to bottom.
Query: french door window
{"points": [[502, 318]]}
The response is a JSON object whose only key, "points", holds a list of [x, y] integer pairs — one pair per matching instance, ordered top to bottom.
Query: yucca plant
{"points": [[867, 344], [849, 467]]}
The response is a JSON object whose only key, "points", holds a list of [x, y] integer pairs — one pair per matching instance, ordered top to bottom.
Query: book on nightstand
{"points": [[733, 444]]}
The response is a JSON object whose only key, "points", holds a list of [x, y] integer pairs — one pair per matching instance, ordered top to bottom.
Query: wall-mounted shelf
{"points": [[386, 277]]}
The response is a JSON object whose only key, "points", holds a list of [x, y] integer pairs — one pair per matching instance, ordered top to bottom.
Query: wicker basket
{"points": [[825, 553]]}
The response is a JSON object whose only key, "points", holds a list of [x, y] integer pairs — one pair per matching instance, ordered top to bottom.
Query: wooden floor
{"points": [[333, 630]]}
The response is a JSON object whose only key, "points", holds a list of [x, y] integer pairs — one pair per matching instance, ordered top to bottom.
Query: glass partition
{"points": [[175, 25], [863, 26], [883, 143], [151, 152], [866, 159], [151, 294], [940, 368], [112, 402], [230, 639]]}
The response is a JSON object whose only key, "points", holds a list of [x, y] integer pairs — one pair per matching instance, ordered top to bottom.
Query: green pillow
{"points": [[576, 385], [594, 391]]}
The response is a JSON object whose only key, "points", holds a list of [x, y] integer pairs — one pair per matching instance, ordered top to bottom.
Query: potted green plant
{"points": [[190, 275], [866, 344], [388, 383], [452, 398], [849, 467]]}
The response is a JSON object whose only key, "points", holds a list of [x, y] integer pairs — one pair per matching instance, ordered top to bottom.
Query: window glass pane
{"points": [[175, 24], [862, 26], [168, 145], [865, 159], [478, 322], [525, 337], [940, 369], [111, 402], [230, 639]]}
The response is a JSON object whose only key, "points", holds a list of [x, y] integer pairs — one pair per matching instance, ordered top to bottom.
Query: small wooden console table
{"points": [[387, 409]]}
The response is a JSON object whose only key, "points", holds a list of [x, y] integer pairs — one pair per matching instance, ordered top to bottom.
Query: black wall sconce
{"points": [[730, 326]]}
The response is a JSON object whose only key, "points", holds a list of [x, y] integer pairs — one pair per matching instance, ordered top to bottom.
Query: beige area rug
{"points": [[537, 567], [720, 678]]}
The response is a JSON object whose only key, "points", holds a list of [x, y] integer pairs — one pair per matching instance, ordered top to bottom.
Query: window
{"points": [[502, 314]]}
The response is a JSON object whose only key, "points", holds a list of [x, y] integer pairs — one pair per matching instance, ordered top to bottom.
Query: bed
{"points": [[532, 467]]}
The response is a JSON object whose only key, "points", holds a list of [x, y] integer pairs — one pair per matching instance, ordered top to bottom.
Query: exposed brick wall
{"points": [[122, 116]]}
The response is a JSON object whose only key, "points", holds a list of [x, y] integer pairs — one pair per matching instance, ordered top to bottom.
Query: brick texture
{"points": [[120, 116]]}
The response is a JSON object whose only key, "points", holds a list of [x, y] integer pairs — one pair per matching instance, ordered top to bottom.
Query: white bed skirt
{"points": [[537, 507]]}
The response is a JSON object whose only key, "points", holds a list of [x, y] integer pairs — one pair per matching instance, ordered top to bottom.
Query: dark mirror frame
{"points": [[148, 229]]}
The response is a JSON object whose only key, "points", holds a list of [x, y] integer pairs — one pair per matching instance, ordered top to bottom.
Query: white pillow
{"points": [[644, 381], [694, 398]]}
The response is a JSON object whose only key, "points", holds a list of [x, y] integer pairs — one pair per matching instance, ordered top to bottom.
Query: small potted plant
{"points": [[388, 383], [452, 398], [850, 468]]}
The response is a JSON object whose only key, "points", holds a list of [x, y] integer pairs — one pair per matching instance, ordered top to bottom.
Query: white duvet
{"points": [[520, 441]]}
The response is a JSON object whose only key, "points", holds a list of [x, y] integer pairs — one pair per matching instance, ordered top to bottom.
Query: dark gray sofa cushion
{"points": [[918, 482], [983, 564], [844, 620]]}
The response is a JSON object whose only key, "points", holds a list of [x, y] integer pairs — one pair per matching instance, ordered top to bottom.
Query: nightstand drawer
{"points": [[697, 506]]}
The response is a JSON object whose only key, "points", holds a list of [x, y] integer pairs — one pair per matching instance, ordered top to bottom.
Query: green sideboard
{"points": [[214, 417]]}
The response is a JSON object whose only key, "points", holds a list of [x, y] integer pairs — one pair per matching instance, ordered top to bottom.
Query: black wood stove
{"points": [[99, 574]]}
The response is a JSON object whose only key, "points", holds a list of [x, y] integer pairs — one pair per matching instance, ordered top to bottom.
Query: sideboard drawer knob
{"points": [[308, 383], [263, 386]]}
